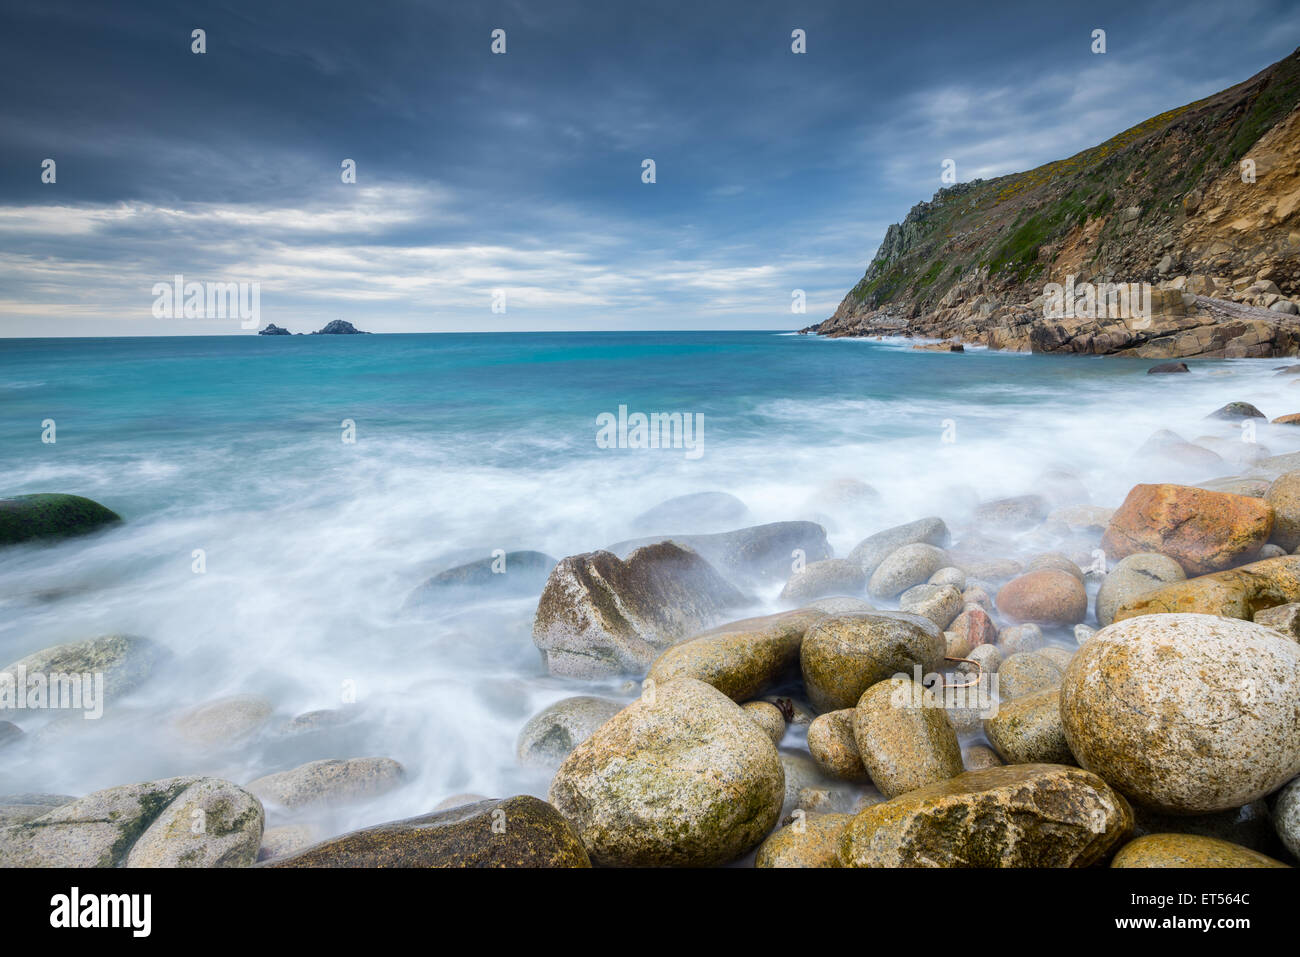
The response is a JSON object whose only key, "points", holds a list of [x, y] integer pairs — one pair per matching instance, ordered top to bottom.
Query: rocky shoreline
{"points": [[1051, 682]]}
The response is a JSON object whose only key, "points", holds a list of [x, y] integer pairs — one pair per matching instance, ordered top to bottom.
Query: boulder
{"points": [[1164, 368], [1236, 412], [1283, 496], [698, 511], [1021, 511], [48, 515], [1203, 531], [874, 549], [759, 554], [905, 567], [513, 573], [1139, 574], [830, 576], [1236, 593], [1048, 596], [939, 603], [599, 615], [1284, 619], [1019, 639], [844, 655], [741, 658], [125, 661], [1025, 673], [1186, 714], [768, 717], [222, 722], [1028, 730], [548, 737], [904, 743], [833, 746], [681, 776], [330, 782], [1023, 815], [1286, 817], [103, 829], [520, 831], [812, 841], [1188, 850]]}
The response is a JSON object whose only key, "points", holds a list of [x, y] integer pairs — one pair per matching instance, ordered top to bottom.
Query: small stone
{"points": [[1019, 639], [768, 717], [833, 747]]}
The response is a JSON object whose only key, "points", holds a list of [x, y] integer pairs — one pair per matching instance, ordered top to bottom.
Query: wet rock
{"points": [[1165, 368], [1236, 411], [1283, 496], [698, 511], [1021, 511], [51, 515], [1203, 531], [874, 549], [905, 567], [511, 573], [830, 576], [950, 576], [1132, 577], [1236, 593], [1044, 597], [939, 603], [842, 605], [600, 615], [974, 627], [1019, 639], [843, 655], [1057, 655], [987, 657], [741, 658], [124, 660], [1025, 673], [1186, 714], [768, 717], [223, 722], [1028, 730], [9, 733], [548, 737], [904, 744], [833, 746], [683, 778], [330, 782], [1024, 815], [1286, 817], [103, 828], [518, 831], [284, 840], [810, 842], [1188, 850]]}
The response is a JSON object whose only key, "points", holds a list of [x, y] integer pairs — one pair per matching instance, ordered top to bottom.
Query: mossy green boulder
{"points": [[50, 515], [844, 655], [125, 661], [521, 831], [812, 840]]}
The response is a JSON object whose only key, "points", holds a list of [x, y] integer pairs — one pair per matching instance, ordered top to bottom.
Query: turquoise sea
{"points": [[234, 447]]}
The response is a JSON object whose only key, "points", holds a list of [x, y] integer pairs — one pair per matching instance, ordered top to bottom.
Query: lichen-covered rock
{"points": [[1283, 496], [51, 515], [1203, 531], [874, 549], [905, 567], [830, 576], [1132, 577], [1235, 593], [1047, 596], [940, 603], [600, 615], [843, 655], [741, 658], [125, 661], [1025, 673], [1186, 713], [768, 717], [222, 722], [1028, 730], [548, 737], [904, 744], [833, 747], [978, 757], [681, 776], [330, 782], [1023, 815], [212, 823], [103, 828], [520, 831], [812, 841], [1188, 850]]}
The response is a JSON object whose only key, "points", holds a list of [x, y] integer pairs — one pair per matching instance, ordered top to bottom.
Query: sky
{"points": [[505, 192]]}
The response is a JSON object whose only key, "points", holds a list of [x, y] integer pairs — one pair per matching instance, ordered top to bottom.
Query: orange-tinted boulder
{"points": [[1201, 530], [1049, 597]]}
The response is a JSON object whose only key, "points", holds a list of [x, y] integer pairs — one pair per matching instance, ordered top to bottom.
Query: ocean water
{"points": [[465, 444]]}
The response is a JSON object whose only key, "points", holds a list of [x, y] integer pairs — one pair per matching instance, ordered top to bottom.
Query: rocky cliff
{"points": [[1201, 203]]}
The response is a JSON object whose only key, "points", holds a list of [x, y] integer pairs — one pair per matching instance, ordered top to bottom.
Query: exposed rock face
{"points": [[1163, 203], [339, 327], [51, 515], [1203, 531], [599, 615], [1186, 714], [682, 778], [1025, 815], [142, 825], [516, 832]]}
